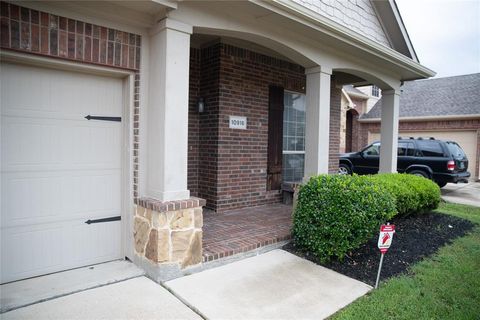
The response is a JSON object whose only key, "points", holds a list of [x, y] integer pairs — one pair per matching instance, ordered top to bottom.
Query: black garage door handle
{"points": [[117, 218]]}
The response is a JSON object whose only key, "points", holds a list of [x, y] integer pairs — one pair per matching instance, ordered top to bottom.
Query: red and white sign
{"points": [[386, 237]]}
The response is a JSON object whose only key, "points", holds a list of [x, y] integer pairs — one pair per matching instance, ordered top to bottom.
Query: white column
{"points": [[167, 124], [389, 131], [317, 135]]}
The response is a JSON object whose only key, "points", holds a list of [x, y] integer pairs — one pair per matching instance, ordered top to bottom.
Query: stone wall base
{"points": [[168, 236]]}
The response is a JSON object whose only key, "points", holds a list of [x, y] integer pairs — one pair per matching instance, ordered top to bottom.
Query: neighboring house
{"points": [[374, 94], [354, 103], [444, 108], [122, 119]]}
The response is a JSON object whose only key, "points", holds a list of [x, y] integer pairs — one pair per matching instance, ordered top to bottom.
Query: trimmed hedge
{"points": [[412, 194], [335, 214]]}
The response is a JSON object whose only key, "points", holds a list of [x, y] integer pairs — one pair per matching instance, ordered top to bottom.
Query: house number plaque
{"points": [[237, 122]]}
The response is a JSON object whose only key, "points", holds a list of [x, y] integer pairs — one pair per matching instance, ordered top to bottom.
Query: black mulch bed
{"points": [[416, 237]]}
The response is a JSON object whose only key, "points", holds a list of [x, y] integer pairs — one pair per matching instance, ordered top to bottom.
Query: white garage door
{"points": [[466, 139], [58, 170]]}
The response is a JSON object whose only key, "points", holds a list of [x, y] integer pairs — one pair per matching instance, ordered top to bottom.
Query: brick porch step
{"points": [[246, 229]]}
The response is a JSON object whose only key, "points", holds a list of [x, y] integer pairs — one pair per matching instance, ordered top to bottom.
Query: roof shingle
{"points": [[458, 95]]}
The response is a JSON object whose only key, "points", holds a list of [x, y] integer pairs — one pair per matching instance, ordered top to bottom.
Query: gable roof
{"points": [[392, 23], [450, 96]]}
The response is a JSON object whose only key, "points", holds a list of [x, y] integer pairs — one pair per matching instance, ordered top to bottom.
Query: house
{"points": [[353, 104], [443, 108], [122, 120]]}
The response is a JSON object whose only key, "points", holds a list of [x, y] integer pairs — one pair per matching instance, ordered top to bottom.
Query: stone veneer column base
{"points": [[168, 236]]}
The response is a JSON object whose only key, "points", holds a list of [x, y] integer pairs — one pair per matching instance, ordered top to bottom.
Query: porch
{"points": [[246, 229]]}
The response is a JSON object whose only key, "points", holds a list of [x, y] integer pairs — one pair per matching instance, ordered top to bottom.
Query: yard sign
{"points": [[386, 237], [384, 242]]}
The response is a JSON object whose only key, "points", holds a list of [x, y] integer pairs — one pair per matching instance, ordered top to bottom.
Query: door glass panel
{"points": [[293, 136]]}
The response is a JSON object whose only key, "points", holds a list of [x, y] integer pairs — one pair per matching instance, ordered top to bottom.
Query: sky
{"points": [[444, 33]]}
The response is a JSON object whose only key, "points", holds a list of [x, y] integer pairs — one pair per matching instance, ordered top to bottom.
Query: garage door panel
{"points": [[59, 91], [59, 144], [58, 170], [42, 197], [51, 247]]}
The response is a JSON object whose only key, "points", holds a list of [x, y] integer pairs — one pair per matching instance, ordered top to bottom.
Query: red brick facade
{"points": [[30, 31], [335, 109], [228, 167]]}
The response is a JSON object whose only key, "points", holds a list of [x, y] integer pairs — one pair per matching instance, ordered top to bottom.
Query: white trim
{"points": [[168, 3], [318, 22], [168, 23], [405, 35], [58, 63], [319, 69], [358, 95], [428, 118], [127, 125], [293, 152], [127, 165]]}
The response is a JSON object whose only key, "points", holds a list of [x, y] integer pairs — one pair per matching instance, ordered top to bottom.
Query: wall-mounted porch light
{"points": [[200, 105]]}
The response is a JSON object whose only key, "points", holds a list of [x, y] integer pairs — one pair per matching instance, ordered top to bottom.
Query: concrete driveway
{"points": [[462, 193]]}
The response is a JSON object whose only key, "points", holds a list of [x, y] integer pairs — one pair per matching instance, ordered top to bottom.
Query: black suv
{"points": [[438, 160]]}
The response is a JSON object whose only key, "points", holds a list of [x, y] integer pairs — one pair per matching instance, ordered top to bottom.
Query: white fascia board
{"points": [[167, 3], [401, 25], [327, 26], [357, 95], [428, 118]]}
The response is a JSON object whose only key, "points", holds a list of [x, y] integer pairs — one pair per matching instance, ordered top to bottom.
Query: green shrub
{"points": [[412, 194], [337, 213]]}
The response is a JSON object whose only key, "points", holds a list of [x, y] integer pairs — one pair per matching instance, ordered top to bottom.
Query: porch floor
{"points": [[245, 229]]}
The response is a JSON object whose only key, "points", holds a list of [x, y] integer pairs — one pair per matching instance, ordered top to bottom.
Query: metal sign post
{"points": [[384, 242], [379, 270]]}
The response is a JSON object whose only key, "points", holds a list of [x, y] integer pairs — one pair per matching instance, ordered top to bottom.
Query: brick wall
{"points": [[41, 33], [335, 116], [193, 122], [208, 125], [444, 125], [232, 164], [228, 167]]}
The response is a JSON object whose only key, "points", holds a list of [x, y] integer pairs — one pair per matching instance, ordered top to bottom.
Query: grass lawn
{"points": [[444, 286]]}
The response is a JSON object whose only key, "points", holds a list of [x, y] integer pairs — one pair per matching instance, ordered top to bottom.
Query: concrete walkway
{"points": [[462, 193], [275, 285], [26, 292], [138, 298]]}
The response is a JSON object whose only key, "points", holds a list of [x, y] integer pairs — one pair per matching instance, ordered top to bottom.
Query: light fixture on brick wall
{"points": [[201, 105]]}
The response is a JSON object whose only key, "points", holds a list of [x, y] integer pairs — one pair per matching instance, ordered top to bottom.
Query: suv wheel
{"points": [[344, 169], [419, 173], [441, 184]]}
